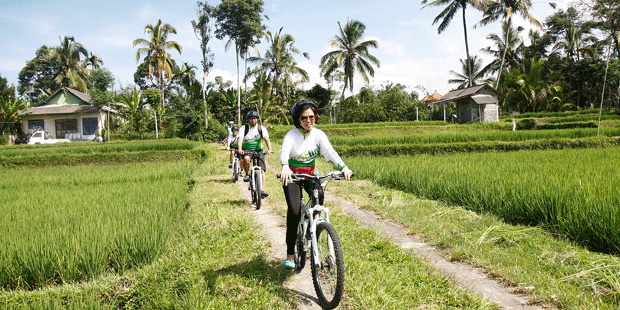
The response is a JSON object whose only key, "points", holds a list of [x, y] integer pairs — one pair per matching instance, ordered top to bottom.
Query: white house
{"points": [[474, 104], [67, 114]]}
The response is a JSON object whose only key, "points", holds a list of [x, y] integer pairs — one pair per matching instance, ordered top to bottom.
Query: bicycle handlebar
{"points": [[335, 175]]}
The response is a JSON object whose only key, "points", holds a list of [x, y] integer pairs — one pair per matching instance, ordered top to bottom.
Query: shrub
{"points": [[526, 124], [4, 139]]}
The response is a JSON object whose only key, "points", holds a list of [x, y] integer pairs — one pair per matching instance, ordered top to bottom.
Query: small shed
{"points": [[474, 104], [67, 114]]}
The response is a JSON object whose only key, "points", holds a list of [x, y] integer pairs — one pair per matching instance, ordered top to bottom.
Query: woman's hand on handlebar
{"points": [[347, 173], [286, 175]]}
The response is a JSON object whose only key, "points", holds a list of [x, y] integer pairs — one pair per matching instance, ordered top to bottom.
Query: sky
{"points": [[410, 50]]}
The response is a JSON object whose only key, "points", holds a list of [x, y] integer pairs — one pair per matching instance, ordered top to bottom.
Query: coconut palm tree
{"points": [[505, 10], [446, 16], [510, 44], [155, 51], [351, 54], [94, 61], [278, 63], [474, 67], [70, 68]]}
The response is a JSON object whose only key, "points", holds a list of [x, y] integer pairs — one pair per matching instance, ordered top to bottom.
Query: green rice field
{"points": [[571, 192], [67, 224]]}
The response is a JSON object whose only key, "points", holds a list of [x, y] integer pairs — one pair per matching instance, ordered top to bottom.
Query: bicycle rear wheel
{"points": [[258, 182], [328, 273]]}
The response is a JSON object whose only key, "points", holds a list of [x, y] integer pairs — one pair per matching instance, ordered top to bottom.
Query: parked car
{"points": [[42, 137]]}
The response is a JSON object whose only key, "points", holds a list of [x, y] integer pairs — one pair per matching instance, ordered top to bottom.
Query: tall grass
{"points": [[470, 136], [572, 193], [69, 224]]}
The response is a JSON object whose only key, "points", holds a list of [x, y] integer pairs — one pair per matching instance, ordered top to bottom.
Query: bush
{"points": [[526, 124], [4, 139]]}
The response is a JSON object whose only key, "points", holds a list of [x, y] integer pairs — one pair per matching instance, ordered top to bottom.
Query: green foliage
{"points": [[36, 77], [6, 92], [526, 124], [4, 139]]}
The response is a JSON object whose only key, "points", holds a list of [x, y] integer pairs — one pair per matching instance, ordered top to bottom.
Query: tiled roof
{"points": [[462, 93], [432, 97], [62, 109]]}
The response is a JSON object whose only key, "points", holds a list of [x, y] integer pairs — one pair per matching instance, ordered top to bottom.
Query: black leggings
{"points": [[292, 193]]}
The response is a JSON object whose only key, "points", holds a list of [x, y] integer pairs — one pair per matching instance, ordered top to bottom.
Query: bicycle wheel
{"points": [[235, 169], [258, 182], [300, 251], [328, 273]]}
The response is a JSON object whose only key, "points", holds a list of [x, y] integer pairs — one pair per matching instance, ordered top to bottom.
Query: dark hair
{"points": [[301, 106]]}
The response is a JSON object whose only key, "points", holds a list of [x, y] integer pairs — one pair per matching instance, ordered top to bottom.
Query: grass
{"points": [[569, 192], [75, 223], [550, 271]]}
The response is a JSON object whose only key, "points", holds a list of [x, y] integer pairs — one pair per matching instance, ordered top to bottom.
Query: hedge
{"points": [[458, 147]]}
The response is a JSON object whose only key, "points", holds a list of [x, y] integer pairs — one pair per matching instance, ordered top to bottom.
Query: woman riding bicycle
{"points": [[300, 147]]}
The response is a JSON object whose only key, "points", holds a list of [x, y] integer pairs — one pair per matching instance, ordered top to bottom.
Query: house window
{"points": [[36, 124], [64, 126], [89, 126]]}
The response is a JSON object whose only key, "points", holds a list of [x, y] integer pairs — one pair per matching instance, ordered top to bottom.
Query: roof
{"points": [[469, 92], [433, 97], [85, 107], [62, 109]]}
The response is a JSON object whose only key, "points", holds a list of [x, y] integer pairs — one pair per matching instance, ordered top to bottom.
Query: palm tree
{"points": [[505, 10], [448, 13], [509, 44], [155, 51], [351, 55], [94, 61], [278, 63], [473, 67], [70, 68], [528, 87], [132, 105], [9, 114]]}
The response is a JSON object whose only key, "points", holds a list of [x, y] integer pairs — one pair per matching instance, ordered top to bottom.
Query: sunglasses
{"points": [[307, 118]]}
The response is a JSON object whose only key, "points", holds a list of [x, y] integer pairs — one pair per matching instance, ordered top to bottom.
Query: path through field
{"points": [[275, 230], [462, 274]]}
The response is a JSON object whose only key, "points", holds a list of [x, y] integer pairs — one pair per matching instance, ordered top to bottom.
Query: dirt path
{"points": [[274, 228], [462, 274]]}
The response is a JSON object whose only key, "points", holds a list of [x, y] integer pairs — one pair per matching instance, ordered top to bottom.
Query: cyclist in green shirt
{"points": [[250, 138]]}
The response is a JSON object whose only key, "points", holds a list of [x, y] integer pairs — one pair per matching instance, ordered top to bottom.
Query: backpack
{"points": [[246, 129]]}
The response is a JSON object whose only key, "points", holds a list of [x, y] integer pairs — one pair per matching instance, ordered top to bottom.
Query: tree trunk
{"points": [[501, 66], [469, 79], [238, 88], [204, 98]]}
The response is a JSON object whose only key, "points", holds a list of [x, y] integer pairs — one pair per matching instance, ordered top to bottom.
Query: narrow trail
{"points": [[274, 228], [462, 274]]}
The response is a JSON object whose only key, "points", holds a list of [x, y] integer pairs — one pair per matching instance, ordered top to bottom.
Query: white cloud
{"points": [[389, 47]]}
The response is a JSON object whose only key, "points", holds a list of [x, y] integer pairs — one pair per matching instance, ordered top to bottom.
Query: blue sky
{"points": [[410, 50]]}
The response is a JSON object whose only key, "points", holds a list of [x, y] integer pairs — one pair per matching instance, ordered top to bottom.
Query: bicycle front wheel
{"points": [[235, 170], [258, 191], [328, 272]]}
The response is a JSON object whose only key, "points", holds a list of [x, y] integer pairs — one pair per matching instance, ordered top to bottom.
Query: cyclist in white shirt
{"points": [[249, 138], [300, 147]]}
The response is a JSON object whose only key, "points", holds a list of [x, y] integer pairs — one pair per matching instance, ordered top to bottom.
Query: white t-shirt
{"points": [[252, 140], [299, 150]]}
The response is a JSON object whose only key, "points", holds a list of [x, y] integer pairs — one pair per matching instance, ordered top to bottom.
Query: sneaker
{"points": [[229, 166], [246, 178], [264, 194], [289, 264]]}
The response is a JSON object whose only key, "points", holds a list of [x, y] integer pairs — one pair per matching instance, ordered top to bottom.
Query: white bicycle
{"points": [[256, 177], [316, 235]]}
